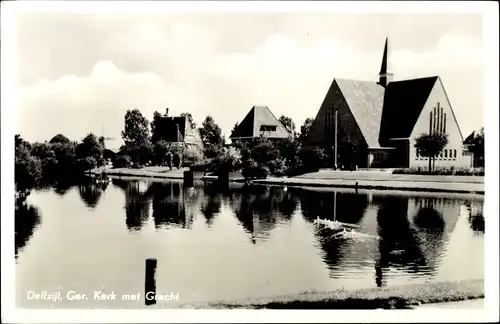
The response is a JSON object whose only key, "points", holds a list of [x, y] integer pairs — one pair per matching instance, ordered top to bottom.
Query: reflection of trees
{"points": [[62, 185], [91, 193], [212, 202], [136, 204], [168, 204], [344, 207], [258, 209], [476, 218], [26, 219], [477, 223], [431, 226], [397, 244]]}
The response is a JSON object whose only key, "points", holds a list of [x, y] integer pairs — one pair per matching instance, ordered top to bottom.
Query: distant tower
{"points": [[384, 76]]}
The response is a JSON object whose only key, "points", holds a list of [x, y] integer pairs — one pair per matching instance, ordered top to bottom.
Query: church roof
{"points": [[365, 99], [403, 104], [385, 113], [257, 117]]}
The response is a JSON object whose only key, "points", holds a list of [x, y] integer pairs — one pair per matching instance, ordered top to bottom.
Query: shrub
{"points": [[160, 151], [192, 155], [168, 159], [314, 159], [176, 160], [228, 160], [122, 161], [87, 163], [202, 167], [277, 167], [442, 171], [258, 172]]}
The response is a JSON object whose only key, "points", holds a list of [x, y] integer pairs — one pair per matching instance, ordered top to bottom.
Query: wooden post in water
{"points": [[188, 179], [223, 180], [150, 282]]}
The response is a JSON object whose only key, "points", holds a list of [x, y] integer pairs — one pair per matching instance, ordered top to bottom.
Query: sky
{"points": [[80, 73]]}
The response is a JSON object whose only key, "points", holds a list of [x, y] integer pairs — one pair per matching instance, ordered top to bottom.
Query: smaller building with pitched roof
{"points": [[259, 122], [375, 124], [178, 130]]}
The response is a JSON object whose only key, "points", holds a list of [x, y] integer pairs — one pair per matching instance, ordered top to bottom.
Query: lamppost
{"points": [[334, 112], [332, 118]]}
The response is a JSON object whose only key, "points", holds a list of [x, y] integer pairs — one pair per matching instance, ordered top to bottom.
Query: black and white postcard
{"points": [[201, 161]]}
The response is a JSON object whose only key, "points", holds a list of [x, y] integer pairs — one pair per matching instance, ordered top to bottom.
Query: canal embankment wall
{"points": [[343, 179]]}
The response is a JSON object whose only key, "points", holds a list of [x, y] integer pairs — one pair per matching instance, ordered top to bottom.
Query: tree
{"points": [[190, 119], [288, 123], [155, 127], [304, 130], [136, 131], [211, 136], [59, 138], [431, 145], [90, 147], [477, 147], [289, 150], [160, 151], [263, 151], [64, 154], [192, 155], [169, 158], [176, 160], [228, 160], [122, 161], [86, 163], [28, 168]]}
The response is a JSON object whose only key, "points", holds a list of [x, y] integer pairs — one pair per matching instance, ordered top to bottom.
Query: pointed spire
{"points": [[383, 68], [384, 76]]}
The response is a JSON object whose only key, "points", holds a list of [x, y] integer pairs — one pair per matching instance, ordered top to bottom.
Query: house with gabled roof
{"points": [[259, 122], [375, 124], [178, 130]]}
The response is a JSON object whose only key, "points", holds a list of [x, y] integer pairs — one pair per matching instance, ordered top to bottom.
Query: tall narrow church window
{"points": [[441, 119], [444, 126], [454, 153], [445, 154]]}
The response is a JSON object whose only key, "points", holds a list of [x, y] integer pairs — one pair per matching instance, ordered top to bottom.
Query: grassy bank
{"points": [[398, 297]]}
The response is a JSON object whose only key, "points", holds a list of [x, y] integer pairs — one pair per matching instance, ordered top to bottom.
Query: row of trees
{"points": [[143, 143], [55, 159]]}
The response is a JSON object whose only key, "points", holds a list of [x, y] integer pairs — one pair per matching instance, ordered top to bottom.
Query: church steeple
{"points": [[384, 76]]}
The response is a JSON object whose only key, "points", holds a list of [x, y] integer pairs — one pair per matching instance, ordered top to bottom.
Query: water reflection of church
{"points": [[409, 232]]}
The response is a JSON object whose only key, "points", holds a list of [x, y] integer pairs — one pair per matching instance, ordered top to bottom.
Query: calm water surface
{"points": [[236, 243]]}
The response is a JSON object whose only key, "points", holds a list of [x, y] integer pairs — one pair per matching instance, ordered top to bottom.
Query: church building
{"points": [[375, 124]]}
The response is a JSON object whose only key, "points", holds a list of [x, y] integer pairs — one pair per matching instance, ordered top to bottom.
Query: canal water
{"points": [[214, 244]]}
